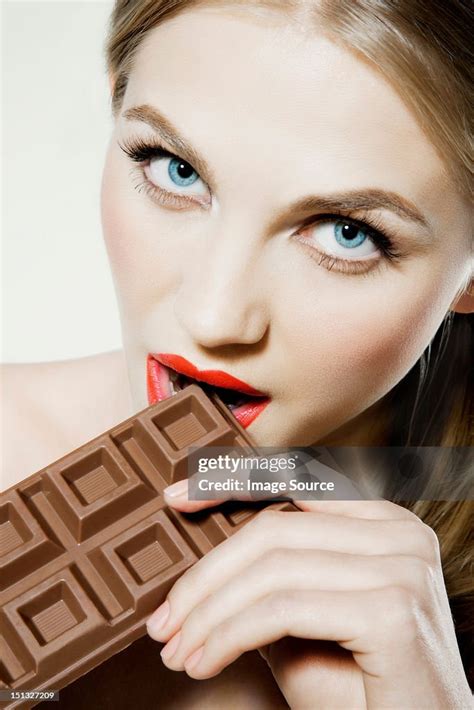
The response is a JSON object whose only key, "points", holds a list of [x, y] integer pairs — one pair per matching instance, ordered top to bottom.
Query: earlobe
{"points": [[465, 302]]}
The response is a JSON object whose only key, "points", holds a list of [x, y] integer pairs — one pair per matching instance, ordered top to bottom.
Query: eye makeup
{"points": [[141, 152], [367, 223]]}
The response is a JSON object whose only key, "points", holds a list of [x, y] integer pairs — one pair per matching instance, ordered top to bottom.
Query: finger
{"points": [[176, 496], [369, 509], [294, 531], [299, 570], [344, 617], [382, 630], [316, 674]]}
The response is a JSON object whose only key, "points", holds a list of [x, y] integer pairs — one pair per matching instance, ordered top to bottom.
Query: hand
{"points": [[360, 580]]}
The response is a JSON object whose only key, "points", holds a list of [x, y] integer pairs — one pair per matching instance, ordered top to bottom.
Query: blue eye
{"points": [[181, 173], [167, 176], [175, 176], [349, 235], [344, 239]]}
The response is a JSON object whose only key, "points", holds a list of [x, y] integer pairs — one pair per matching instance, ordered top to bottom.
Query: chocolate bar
{"points": [[89, 550]]}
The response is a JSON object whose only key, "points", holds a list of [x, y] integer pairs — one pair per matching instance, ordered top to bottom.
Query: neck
{"points": [[371, 428]]}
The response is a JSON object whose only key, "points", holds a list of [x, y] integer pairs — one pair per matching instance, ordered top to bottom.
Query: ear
{"points": [[465, 302]]}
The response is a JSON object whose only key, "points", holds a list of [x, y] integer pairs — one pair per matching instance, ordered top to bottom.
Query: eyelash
{"points": [[141, 152]]}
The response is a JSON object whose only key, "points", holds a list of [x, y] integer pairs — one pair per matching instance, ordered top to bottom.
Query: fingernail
{"points": [[177, 489], [158, 619], [170, 647], [194, 659]]}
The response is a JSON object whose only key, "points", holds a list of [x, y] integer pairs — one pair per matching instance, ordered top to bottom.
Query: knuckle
{"points": [[409, 514], [269, 516], [412, 526], [425, 537], [431, 541], [273, 559], [419, 573], [180, 590], [175, 594], [277, 604], [392, 622], [193, 624], [222, 636]]}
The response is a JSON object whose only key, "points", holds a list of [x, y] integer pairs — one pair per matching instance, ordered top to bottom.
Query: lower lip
{"points": [[158, 388]]}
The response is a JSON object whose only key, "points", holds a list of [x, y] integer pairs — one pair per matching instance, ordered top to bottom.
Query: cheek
{"points": [[120, 223], [136, 240], [363, 344]]}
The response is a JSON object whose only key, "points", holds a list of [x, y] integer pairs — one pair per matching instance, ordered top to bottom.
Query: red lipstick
{"points": [[218, 378], [160, 387]]}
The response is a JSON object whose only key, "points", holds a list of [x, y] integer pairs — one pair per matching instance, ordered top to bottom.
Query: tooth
{"points": [[173, 380]]}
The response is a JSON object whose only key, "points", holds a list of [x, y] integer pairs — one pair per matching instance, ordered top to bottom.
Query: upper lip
{"points": [[218, 378]]}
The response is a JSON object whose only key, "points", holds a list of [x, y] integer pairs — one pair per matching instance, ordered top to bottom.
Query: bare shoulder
{"points": [[49, 409]]}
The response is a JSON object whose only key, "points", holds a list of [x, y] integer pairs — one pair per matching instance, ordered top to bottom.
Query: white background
{"points": [[57, 292]]}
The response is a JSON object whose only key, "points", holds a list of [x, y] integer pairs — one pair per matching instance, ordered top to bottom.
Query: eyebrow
{"points": [[163, 126], [358, 200], [361, 200]]}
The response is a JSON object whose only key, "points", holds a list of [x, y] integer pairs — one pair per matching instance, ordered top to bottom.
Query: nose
{"points": [[221, 299]]}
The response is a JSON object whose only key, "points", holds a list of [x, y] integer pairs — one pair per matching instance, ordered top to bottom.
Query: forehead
{"points": [[262, 83]]}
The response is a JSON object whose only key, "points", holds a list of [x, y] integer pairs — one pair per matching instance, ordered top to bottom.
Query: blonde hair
{"points": [[424, 49]]}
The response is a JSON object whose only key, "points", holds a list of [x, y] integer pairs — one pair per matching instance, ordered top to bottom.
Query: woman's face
{"points": [[248, 252]]}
